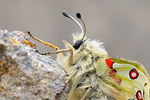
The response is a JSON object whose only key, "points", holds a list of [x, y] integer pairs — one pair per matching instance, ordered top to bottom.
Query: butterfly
{"points": [[96, 75]]}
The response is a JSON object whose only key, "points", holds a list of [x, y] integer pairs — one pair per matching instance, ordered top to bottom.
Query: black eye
{"points": [[77, 44]]}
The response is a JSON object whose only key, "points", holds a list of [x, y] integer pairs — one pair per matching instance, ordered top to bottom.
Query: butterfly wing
{"points": [[135, 78], [123, 79]]}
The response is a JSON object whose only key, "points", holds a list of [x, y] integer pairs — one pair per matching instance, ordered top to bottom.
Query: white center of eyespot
{"points": [[133, 74], [140, 95]]}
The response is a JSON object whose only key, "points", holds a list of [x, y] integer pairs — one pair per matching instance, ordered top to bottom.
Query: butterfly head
{"points": [[79, 39]]}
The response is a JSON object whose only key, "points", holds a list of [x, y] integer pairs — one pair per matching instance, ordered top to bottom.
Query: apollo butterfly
{"points": [[96, 75]]}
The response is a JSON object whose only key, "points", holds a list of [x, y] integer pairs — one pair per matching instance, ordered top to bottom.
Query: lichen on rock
{"points": [[26, 75]]}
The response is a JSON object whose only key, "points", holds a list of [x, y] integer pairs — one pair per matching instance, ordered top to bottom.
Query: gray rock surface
{"points": [[27, 75]]}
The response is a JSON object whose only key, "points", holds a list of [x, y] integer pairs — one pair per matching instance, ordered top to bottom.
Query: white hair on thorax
{"points": [[93, 45]]}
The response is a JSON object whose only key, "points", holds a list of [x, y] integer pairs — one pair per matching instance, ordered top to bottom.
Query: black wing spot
{"points": [[145, 84]]}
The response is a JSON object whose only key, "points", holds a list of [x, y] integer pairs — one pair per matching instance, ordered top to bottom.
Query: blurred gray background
{"points": [[123, 25]]}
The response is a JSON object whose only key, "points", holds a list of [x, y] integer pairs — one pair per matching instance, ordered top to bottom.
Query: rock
{"points": [[27, 75]]}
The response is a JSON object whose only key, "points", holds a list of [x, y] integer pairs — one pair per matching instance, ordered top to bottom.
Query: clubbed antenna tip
{"points": [[65, 14], [78, 15]]}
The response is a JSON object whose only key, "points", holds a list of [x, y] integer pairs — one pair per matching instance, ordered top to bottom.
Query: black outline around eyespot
{"points": [[131, 76]]}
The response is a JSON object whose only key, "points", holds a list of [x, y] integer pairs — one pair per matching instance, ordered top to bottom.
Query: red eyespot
{"points": [[109, 63], [133, 74], [139, 95]]}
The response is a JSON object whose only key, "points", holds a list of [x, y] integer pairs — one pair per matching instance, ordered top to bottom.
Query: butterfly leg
{"points": [[27, 42], [46, 43], [56, 52], [71, 75], [86, 93]]}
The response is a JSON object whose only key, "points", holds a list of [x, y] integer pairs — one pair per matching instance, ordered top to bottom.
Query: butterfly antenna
{"points": [[69, 16], [79, 16]]}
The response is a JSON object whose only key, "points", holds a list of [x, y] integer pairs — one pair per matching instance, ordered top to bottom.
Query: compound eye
{"points": [[77, 44]]}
